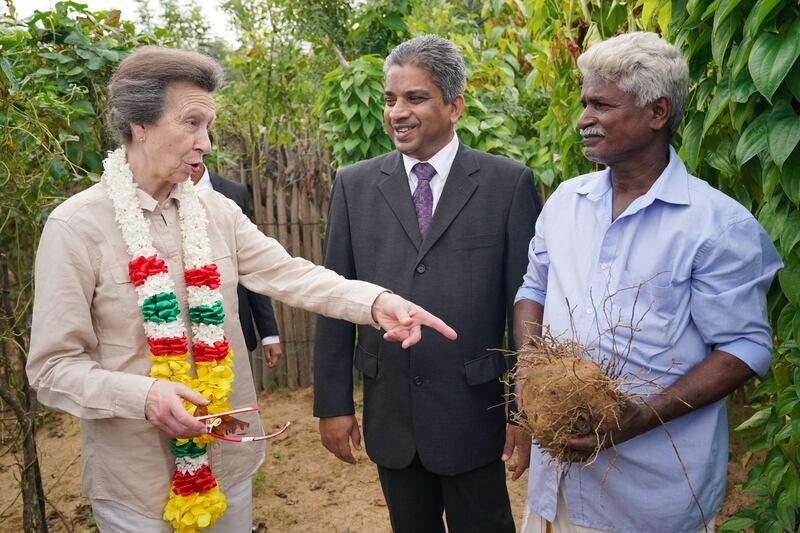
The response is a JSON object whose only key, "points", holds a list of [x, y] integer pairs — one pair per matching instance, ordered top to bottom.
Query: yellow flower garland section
{"points": [[214, 381]]}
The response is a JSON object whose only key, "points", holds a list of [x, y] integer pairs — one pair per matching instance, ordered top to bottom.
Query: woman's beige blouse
{"points": [[89, 354]]}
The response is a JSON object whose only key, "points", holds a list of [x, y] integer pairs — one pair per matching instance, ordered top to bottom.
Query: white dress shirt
{"points": [[441, 162]]}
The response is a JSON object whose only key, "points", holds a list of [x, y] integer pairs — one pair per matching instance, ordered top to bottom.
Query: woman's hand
{"points": [[403, 320], [164, 409]]}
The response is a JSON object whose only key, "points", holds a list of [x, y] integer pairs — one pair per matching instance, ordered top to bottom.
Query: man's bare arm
{"points": [[528, 316], [717, 376]]}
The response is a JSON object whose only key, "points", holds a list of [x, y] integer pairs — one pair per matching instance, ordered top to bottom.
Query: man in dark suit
{"points": [[448, 227], [253, 307]]}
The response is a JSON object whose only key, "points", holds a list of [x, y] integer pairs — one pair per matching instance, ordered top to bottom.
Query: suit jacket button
{"points": [[421, 269], [417, 380]]}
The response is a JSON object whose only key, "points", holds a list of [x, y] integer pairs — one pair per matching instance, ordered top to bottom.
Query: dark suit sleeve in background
{"points": [[525, 208], [519, 231], [260, 305], [335, 339]]}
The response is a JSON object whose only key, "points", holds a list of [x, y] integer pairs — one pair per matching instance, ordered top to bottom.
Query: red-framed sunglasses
{"points": [[222, 425]]}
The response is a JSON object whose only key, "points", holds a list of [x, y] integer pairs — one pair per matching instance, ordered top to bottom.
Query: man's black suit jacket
{"points": [[252, 306], [441, 399]]}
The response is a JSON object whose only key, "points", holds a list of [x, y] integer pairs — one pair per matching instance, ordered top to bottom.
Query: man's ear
{"points": [[456, 108], [660, 111]]}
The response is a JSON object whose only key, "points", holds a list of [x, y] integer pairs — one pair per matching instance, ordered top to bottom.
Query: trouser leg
{"points": [[414, 498], [477, 501], [114, 517]]}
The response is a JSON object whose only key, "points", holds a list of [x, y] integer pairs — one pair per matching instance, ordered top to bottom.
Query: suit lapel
{"points": [[216, 182], [394, 187], [457, 191]]}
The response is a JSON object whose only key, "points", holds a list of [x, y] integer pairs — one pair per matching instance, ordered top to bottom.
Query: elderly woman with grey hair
{"points": [[134, 322]]}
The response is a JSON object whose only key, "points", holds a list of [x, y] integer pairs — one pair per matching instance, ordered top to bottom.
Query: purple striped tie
{"points": [[423, 196]]}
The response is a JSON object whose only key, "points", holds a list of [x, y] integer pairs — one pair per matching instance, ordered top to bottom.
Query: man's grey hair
{"points": [[438, 56], [642, 64]]}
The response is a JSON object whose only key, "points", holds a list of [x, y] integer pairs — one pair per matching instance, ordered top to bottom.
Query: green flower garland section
{"points": [[161, 307], [203, 314], [189, 449]]}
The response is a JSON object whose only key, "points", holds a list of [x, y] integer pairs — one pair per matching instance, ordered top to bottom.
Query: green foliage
{"points": [[323, 20], [178, 23], [379, 26], [54, 69], [273, 79], [352, 103], [741, 133]]}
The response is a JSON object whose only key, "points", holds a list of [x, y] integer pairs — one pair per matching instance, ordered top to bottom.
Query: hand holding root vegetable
{"points": [[717, 376], [563, 396], [636, 418]]}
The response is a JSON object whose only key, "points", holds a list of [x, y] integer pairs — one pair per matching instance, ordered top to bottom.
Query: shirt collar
{"points": [[441, 160], [204, 183], [672, 186], [149, 203]]}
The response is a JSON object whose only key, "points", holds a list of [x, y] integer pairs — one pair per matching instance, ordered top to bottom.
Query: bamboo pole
{"points": [[255, 185], [299, 315], [290, 355]]}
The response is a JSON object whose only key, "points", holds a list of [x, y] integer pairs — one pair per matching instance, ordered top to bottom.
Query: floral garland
{"points": [[195, 501]]}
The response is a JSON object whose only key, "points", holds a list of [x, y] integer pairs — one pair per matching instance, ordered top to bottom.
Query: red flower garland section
{"points": [[140, 268], [206, 275], [168, 345], [203, 352], [186, 484]]}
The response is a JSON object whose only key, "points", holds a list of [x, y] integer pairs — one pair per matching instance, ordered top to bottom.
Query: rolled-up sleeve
{"points": [[731, 277], [534, 282], [62, 335]]}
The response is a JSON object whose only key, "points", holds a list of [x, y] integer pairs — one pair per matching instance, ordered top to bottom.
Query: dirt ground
{"points": [[299, 488]]}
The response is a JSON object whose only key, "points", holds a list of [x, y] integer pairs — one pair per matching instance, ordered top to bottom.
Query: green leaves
{"points": [[758, 14], [723, 30], [772, 57], [8, 72], [793, 80], [353, 98], [719, 102], [784, 131], [692, 140], [753, 140], [790, 177], [790, 235], [789, 279], [758, 419], [737, 523]]}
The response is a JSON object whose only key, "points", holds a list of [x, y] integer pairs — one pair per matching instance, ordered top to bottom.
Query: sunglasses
{"points": [[222, 425]]}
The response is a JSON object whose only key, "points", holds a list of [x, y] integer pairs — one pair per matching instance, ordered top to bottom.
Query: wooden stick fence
{"points": [[290, 189]]}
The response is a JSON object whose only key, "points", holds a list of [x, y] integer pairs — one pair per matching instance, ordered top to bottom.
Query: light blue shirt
{"points": [[690, 268]]}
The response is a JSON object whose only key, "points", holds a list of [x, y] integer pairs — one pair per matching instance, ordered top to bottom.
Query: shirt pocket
{"points": [[227, 270], [664, 299], [115, 309], [651, 309]]}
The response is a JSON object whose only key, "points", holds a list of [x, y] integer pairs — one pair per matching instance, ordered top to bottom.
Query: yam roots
{"points": [[565, 394]]}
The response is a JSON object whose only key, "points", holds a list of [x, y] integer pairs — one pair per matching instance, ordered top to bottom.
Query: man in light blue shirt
{"points": [[643, 246]]}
